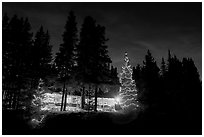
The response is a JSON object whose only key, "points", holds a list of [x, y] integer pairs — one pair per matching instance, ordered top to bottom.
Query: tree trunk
{"points": [[96, 89], [63, 92], [3, 93], [83, 97], [89, 97], [7, 99], [10, 99], [4, 100], [65, 100], [14, 101], [17, 102]]}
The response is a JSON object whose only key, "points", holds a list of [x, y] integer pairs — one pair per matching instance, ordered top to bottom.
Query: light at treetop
{"points": [[127, 91]]}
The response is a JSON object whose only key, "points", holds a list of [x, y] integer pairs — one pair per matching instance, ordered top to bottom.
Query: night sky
{"points": [[132, 27]]}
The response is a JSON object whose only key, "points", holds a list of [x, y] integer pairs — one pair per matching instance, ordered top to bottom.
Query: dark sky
{"points": [[132, 27]]}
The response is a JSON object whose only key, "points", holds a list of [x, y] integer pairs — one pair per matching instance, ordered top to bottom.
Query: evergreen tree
{"points": [[20, 39], [17, 41], [12, 45], [6, 49], [85, 50], [42, 55], [84, 55], [65, 58], [93, 59], [6, 61], [163, 68], [137, 73], [174, 74], [114, 75], [138, 76], [151, 79], [191, 81], [110, 88], [183, 88], [128, 92], [192, 92], [37, 103]]}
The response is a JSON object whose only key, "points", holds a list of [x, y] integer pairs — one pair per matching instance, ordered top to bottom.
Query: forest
{"points": [[170, 90]]}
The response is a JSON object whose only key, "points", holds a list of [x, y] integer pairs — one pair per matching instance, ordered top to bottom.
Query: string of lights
{"points": [[127, 91], [37, 103]]}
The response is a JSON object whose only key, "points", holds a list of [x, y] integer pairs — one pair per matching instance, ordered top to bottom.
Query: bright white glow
{"points": [[117, 99], [52, 102]]}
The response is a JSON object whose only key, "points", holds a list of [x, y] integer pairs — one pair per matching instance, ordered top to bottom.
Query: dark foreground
{"points": [[145, 123]]}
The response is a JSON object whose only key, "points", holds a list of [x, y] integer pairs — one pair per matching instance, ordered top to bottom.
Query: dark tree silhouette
{"points": [[17, 41], [6, 49], [42, 54], [65, 58], [93, 59], [6, 60], [163, 68], [150, 74], [114, 75], [138, 76], [163, 85], [191, 87], [175, 94]]}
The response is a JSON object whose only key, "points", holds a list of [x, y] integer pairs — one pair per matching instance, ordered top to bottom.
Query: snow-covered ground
{"points": [[52, 102]]}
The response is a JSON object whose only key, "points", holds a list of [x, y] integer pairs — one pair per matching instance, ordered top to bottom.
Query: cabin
{"points": [[52, 102]]}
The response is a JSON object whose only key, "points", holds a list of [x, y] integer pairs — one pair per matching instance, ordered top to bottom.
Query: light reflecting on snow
{"points": [[52, 102], [38, 121]]}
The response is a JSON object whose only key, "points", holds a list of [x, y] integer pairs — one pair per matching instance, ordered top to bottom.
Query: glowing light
{"points": [[127, 92], [117, 99], [52, 102], [34, 120]]}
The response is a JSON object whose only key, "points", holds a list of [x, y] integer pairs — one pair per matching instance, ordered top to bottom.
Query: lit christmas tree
{"points": [[127, 93], [37, 103]]}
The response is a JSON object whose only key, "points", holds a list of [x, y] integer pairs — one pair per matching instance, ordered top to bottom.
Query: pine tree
{"points": [[20, 41], [17, 42], [6, 49], [84, 52], [42, 55], [65, 59], [93, 59], [163, 68], [137, 72], [150, 74], [174, 74], [114, 75], [7, 76], [139, 79], [191, 90], [128, 92], [37, 97], [37, 104]]}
